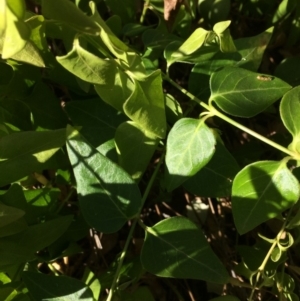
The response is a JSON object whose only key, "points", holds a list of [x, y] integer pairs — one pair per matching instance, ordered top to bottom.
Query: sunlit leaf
{"points": [[243, 93], [190, 146], [261, 191]]}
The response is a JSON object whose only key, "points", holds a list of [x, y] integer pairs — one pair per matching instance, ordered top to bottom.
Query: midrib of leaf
{"points": [[187, 150], [106, 191], [263, 193], [154, 233]]}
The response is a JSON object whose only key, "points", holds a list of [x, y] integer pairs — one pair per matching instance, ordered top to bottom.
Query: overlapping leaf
{"points": [[243, 93], [290, 112], [190, 146], [135, 148], [261, 191], [108, 196], [175, 247]]}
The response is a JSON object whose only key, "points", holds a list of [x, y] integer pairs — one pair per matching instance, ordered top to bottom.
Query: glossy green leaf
{"points": [[67, 12], [2, 18], [243, 93], [146, 104], [290, 111], [98, 122], [190, 146], [135, 148], [25, 152], [215, 178], [262, 191], [108, 196], [9, 215], [177, 248], [58, 288]]}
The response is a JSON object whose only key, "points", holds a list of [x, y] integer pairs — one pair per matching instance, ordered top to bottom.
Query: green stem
{"points": [[146, 6], [215, 112], [123, 254]]}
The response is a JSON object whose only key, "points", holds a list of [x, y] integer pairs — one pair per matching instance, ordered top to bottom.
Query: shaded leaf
{"points": [[243, 93], [135, 148], [25, 152], [215, 178], [262, 191], [108, 196], [9, 214], [181, 251], [56, 288]]}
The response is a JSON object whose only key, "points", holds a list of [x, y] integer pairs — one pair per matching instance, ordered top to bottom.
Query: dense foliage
{"points": [[149, 150]]}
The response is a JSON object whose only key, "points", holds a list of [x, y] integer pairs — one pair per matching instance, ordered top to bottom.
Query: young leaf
{"points": [[225, 39], [243, 93], [146, 104], [190, 146], [135, 148], [215, 178], [261, 191], [108, 196], [175, 247], [60, 288]]}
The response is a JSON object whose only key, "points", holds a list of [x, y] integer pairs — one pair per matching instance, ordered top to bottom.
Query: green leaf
{"points": [[214, 11], [67, 12], [16, 32], [225, 39], [193, 43], [88, 67], [243, 93], [146, 104], [173, 109], [290, 111], [48, 114], [98, 121], [190, 146], [135, 148], [25, 152], [215, 178], [262, 191], [108, 196], [9, 215], [21, 247], [175, 247], [56, 288], [225, 298]]}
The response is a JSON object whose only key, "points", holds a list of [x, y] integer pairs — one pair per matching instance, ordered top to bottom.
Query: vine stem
{"points": [[146, 6], [215, 112], [124, 251]]}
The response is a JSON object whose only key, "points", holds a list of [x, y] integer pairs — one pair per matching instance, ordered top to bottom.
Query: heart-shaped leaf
{"points": [[243, 93], [190, 146], [261, 191], [108, 196], [181, 251]]}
